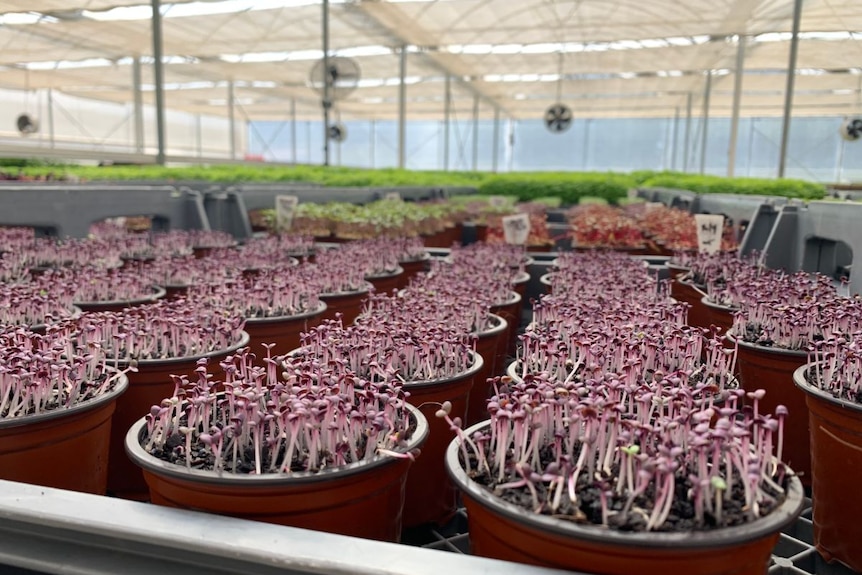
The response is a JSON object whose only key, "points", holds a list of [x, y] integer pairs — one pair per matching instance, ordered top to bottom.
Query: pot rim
{"points": [[423, 258], [386, 275], [521, 278], [545, 279], [361, 291], [158, 293], [514, 297], [708, 302], [321, 307], [74, 313], [500, 325], [730, 335], [243, 341], [803, 384], [90, 404], [148, 462], [779, 518]]}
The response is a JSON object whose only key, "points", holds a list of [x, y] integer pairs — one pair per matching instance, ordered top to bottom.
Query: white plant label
{"points": [[632, 193], [392, 196], [496, 201], [649, 206], [285, 208], [516, 228], [709, 231]]}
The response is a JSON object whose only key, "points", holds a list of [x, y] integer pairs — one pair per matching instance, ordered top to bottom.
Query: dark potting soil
{"points": [[54, 404], [173, 451], [588, 510]]}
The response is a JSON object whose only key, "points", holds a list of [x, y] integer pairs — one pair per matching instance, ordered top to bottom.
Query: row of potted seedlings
{"points": [[788, 327], [207, 394], [617, 425]]}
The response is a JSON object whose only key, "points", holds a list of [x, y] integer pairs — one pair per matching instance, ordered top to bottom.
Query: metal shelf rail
{"points": [[51, 531]]}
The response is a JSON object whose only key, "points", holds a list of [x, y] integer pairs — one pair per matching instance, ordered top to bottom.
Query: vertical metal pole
{"points": [[159, 77], [788, 94], [138, 96], [737, 99], [326, 102], [402, 108], [447, 110], [231, 115], [51, 117], [293, 131], [475, 132], [705, 132], [668, 135], [199, 136], [675, 139], [496, 140], [373, 142], [338, 143], [511, 143], [750, 145], [686, 147], [585, 151], [839, 162]]}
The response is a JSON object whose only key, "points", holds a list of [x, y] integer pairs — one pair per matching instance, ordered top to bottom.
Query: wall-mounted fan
{"points": [[342, 74], [558, 118], [26, 124], [851, 129], [337, 132]]}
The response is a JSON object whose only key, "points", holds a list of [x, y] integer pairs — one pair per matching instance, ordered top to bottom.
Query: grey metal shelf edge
{"points": [[53, 531]]}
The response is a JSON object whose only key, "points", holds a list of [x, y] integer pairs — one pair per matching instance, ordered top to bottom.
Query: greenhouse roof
{"points": [[604, 58]]}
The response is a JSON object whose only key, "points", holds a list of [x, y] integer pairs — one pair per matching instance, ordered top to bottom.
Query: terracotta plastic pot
{"points": [[630, 250], [412, 268], [546, 281], [385, 283], [519, 284], [683, 290], [177, 291], [158, 293], [348, 304], [511, 312], [719, 315], [283, 331], [488, 346], [772, 369], [149, 386], [64, 448], [836, 466], [431, 495], [360, 499], [501, 530]]}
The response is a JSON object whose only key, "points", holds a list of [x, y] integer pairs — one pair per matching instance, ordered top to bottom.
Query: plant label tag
{"points": [[632, 193], [392, 196], [496, 201], [650, 206], [285, 207], [516, 228], [709, 231]]}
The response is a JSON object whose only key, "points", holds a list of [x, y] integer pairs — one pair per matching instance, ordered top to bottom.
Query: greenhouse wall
{"points": [[815, 152]]}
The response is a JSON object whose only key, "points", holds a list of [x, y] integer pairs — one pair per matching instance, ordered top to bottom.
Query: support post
{"points": [[159, 80], [788, 93], [138, 98], [737, 99], [326, 101], [402, 108], [447, 111], [231, 114], [293, 131], [475, 132], [704, 134], [51, 136], [199, 136], [496, 140], [338, 143], [511, 143], [675, 143], [686, 151]]}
